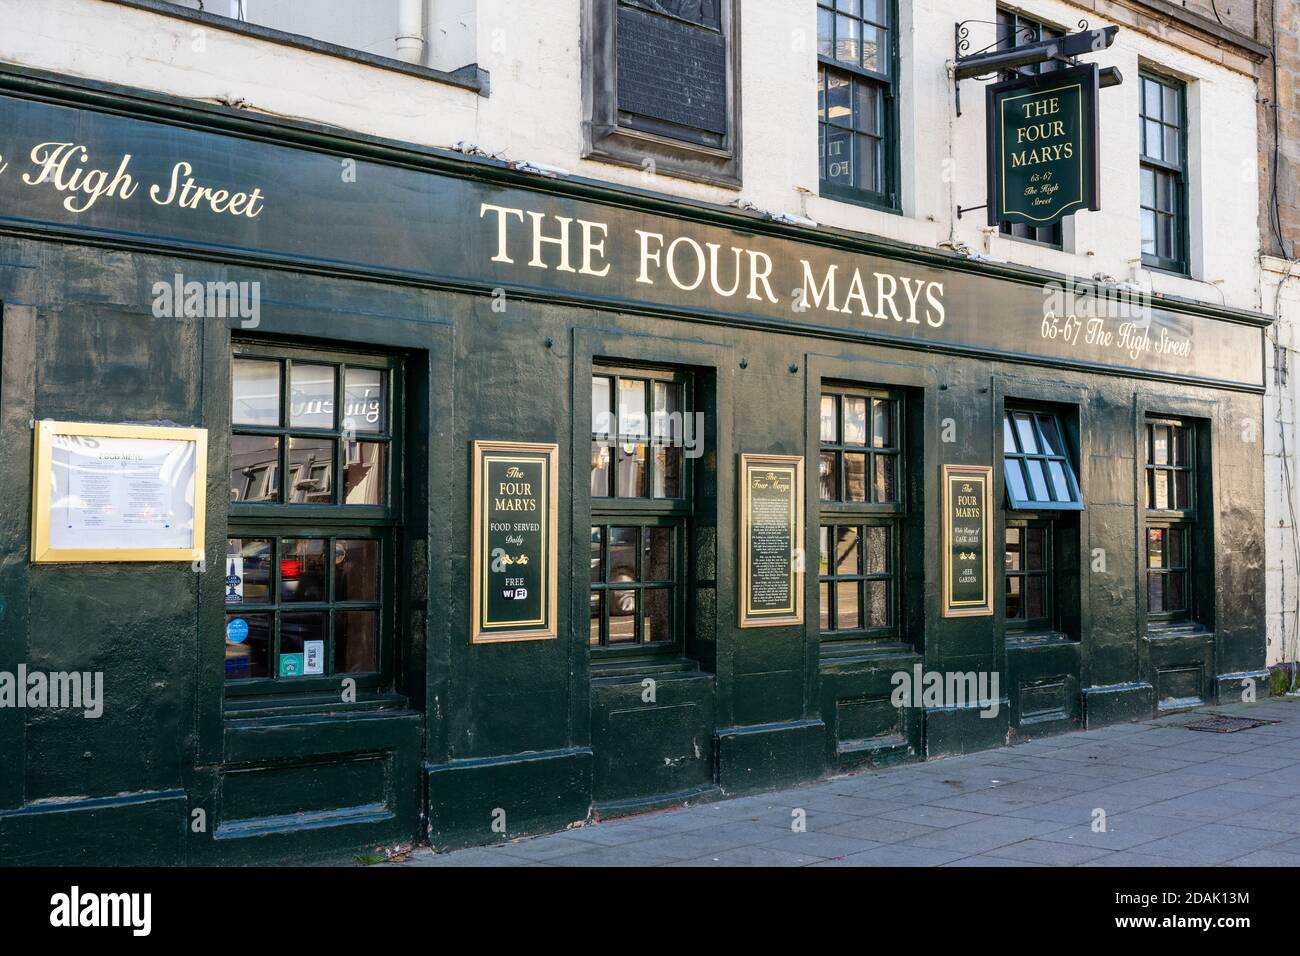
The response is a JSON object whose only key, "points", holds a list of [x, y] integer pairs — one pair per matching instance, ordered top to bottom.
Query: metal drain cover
{"points": [[1222, 724]]}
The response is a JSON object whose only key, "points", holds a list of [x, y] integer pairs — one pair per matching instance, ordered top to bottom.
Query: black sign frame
{"points": [[1086, 78], [493, 459], [965, 478], [751, 614]]}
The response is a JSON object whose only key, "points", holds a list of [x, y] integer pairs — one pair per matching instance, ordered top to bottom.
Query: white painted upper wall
{"points": [[533, 52]]}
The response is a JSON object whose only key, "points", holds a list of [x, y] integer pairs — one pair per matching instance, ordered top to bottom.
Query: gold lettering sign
{"points": [[771, 540], [967, 552]]}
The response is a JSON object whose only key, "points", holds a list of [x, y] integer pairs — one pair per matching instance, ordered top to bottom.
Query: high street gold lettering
{"points": [[63, 166], [186, 193]]}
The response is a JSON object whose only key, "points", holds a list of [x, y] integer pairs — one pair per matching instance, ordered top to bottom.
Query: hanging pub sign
{"points": [[1042, 146], [118, 492], [771, 532], [514, 546], [967, 555]]}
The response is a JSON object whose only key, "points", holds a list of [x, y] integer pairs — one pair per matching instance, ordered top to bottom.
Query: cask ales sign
{"points": [[1043, 146], [771, 535], [967, 554], [513, 587]]}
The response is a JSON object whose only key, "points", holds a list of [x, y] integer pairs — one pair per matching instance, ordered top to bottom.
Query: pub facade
{"points": [[374, 487]]}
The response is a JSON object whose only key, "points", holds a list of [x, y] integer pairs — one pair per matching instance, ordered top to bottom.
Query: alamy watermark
{"points": [[208, 300], [673, 429], [921, 688], [56, 690]]}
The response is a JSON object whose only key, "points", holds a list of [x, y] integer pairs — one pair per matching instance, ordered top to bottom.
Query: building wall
{"points": [[534, 112]]}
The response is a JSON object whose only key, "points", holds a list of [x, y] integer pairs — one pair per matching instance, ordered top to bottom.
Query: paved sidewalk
{"points": [[1171, 797]]}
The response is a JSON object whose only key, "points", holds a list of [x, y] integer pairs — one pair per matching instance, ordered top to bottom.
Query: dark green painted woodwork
{"points": [[544, 731]]}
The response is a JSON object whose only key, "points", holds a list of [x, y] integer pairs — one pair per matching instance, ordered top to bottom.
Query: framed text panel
{"points": [[118, 493], [771, 540], [967, 552], [513, 587]]}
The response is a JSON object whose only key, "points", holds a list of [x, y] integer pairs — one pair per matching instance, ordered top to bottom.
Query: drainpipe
{"points": [[410, 31]]}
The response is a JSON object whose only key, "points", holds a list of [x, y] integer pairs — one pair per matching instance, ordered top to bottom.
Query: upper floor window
{"points": [[370, 26], [1014, 30], [857, 104], [1163, 139], [1035, 463], [861, 479], [640, 509], [313, 515], [1170, 518]]}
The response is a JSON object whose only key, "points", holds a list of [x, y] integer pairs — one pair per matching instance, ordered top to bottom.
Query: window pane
{"points": [[825, 30], [847, 47], [874, 56], [866, 98], [839, 105], [1153, 140], [1173, 152], [839, 156], [1148, 187], [1148, 232], [255, 392], [311, 396], [363, 400], [602, 418], [855, 420], [632, 421], [666, 421], [882, 423], [1025, 430], [829, 433], [1008, 435], [1051, 435], [1160, 444], [1183, 446], [254, 469], [600, 469], [632, 470], [311, 471], [667, 472], [364, 475], [828, 477], [855, 477], [1015, 479], [1037, 480], [886, 487], [1060, 487], [1162, 490], [1182, 490], [1155, 547], [1174, 547], [824, 550], [848, 550], [877, 550], [1014, 550], [1035, 552], [597, 554], [622, 554], [657, 563], [302, 569], [356, 570], [248, 571], [1155, 592], [1176, 592], [824, 594], [848, 595], [878, 604], [1015, 606], [1034, 607], [597, 611], [658, 615], [622, 617], [302, 634], [356, 639], [248, 642]]}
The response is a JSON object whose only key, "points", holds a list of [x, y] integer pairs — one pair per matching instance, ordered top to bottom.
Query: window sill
{"points": [[470, 77], [1164, 630], [1026, 639], [865, 649], [621, 669], [302, 705]]}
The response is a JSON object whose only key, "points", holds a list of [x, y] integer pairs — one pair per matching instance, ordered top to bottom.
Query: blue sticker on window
{"points": [[237, 631]]}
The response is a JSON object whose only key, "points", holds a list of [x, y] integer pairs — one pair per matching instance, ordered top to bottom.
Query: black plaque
{"points": [[671, 71], [515, 508], [771, 529], [967, 540]]}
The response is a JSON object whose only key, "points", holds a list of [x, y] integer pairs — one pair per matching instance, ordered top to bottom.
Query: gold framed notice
{"points": [[106, 493], [771, 540], [515, 548], [967, 552]]}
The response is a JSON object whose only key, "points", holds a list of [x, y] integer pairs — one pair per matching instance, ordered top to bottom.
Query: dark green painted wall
{"points": [[531, 729]]}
